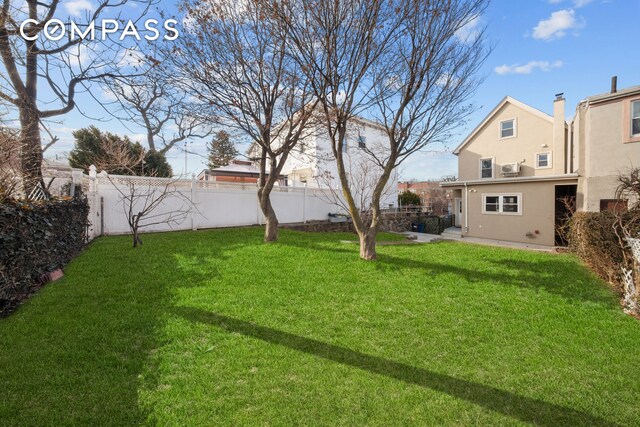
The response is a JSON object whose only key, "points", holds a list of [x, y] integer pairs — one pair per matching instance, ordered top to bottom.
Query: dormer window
{"points": [[635, 118], [508, 128]]}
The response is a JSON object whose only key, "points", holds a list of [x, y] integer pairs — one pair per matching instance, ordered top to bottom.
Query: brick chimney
{"points": [[559, 135]]}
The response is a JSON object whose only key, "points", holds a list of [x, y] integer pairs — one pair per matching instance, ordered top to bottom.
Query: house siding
{"points": [[532, 134], [605, 150], [537, 213]]}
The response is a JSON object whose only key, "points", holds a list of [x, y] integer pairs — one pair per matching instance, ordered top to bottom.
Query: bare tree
{"points": [[238, 63], [406, 64], [63, 67], [155, 102], [362, 174], [144, 200]]}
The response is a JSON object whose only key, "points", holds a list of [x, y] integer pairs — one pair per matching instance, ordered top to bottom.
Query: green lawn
{"points": [[216, 328]]}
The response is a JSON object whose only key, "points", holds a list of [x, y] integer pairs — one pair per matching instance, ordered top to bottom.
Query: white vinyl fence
{"points": [[211, 204]]}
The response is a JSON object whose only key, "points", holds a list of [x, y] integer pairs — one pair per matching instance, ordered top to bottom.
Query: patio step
{"points": [[452, 232]]}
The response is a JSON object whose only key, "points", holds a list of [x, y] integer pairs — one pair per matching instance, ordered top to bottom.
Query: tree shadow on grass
{"points": [[556, 274], [568, 280], [81, 351], [520, 407]]}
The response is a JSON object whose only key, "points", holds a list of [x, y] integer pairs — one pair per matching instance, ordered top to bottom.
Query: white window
{"points": [[635, 118], [508, 128], [362, 141], [344, 145], [543, 160], [486, 168], [491, 204], [507, 204]]}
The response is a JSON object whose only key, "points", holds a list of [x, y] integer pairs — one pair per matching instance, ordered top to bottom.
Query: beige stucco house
{"points": [[606, 134], [519, 162]]}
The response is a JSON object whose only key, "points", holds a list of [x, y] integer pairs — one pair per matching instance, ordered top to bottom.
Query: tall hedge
{"points": [[592, 236], [37, 238]]}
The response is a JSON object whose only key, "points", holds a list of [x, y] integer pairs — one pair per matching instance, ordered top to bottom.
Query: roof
{"points": [[609, 96], [505, 100], [236, 169], [563, 177]]}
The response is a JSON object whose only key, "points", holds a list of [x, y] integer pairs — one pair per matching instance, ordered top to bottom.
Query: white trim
{"points": [[505, 100], [631, 118], [515, 128], [549, 160], [493, 167], [520, 179], [501, 197]]}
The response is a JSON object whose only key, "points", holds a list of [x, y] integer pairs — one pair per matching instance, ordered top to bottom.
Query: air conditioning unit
{"points": [[511, 169]]}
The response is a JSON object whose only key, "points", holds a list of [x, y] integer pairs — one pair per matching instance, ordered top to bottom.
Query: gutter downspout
{"points": [[466, 209]]}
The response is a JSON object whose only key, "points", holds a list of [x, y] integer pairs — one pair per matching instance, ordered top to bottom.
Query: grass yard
{"points": [[216, 328]]}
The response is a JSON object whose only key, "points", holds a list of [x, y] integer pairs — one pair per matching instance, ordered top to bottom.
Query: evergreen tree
{"points": [[90, 146], [221, 150], [408, 198]]}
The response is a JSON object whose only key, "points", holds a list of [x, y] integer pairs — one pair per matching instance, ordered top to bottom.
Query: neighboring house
{"points": [[606, 134], [311, 162], [519, 163], [239, 171], [433, 198]]}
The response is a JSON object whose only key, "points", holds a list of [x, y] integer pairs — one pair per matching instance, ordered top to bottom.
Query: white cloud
{"points": [[576, 3], [581, 3], [77, 7], [556, 25], [470, 30], [80, 56], [527, 68], [64, 129]]}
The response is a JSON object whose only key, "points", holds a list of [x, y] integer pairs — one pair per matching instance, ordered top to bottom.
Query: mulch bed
{"points": [[8, 306]]}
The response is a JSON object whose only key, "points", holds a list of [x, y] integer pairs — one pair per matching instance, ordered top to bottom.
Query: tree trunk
{"points": [[30, 148], [271, 220], [136, 239], [368, 244]]}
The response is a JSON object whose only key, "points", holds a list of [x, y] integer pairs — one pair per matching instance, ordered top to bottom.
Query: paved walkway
{"points": [[425, 238]]}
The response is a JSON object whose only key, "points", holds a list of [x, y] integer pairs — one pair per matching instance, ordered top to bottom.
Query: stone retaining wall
{"points": [[393, 222]]}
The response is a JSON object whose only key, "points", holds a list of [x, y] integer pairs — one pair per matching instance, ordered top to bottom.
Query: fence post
{"points": [[93, 183], [193, 202], [257, 202], [304, 204]]}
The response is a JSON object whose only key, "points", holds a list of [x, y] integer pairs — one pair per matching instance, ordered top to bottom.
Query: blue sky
{"points": [[541, 47]]}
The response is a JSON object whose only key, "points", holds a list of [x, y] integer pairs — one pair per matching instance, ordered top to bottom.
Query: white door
{"points": [[458, 211]]}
